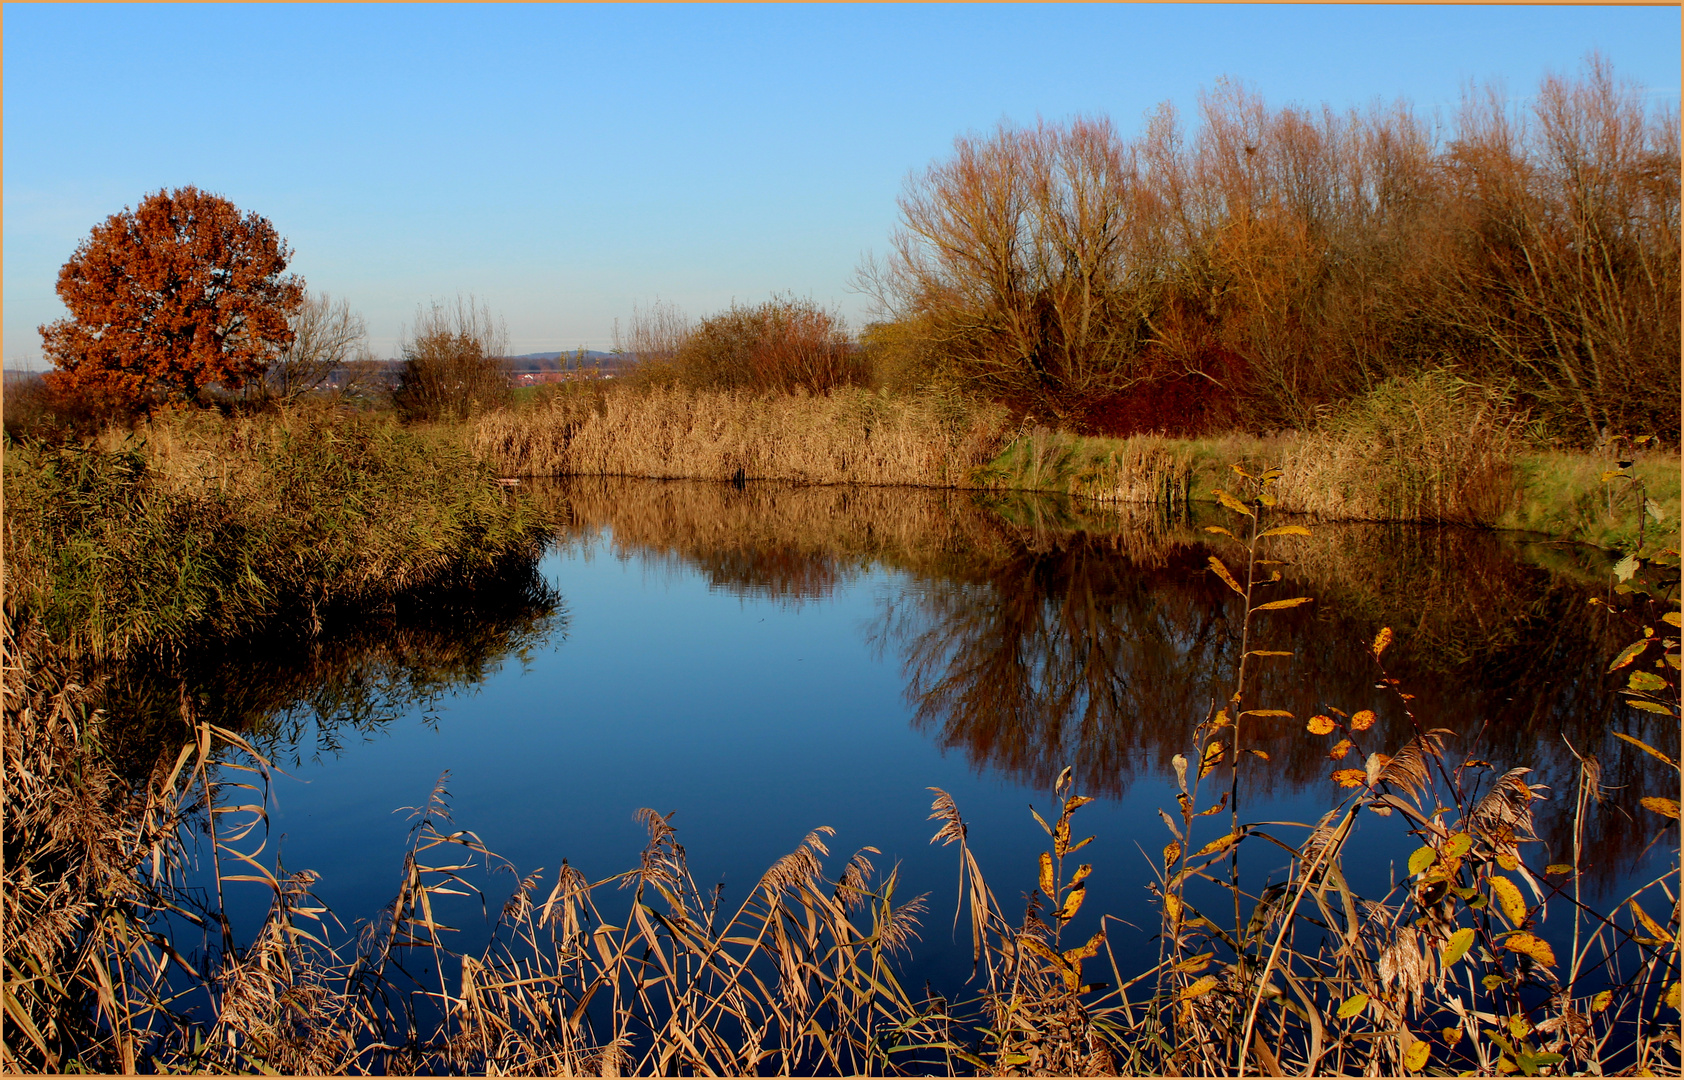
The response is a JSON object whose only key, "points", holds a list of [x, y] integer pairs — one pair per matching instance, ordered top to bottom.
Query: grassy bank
{"points": [[1426, 449], [196, 525]]}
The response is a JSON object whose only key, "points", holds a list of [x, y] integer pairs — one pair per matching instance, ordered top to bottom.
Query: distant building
{"points": [[535, 378]]}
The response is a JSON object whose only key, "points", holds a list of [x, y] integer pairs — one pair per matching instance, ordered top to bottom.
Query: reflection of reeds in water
{"points": [[756, 538], [290, 694]]}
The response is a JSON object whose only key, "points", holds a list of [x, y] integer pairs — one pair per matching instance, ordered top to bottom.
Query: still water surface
{"points": [[771, 659]]}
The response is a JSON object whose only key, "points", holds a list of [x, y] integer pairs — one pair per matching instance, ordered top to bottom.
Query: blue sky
{"points": [[565, 162]]}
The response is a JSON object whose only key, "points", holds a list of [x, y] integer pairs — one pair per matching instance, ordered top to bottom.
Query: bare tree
{"points": [[1020, 258], [1563, 267], [326, 336], [653, 339], [454, 360]]}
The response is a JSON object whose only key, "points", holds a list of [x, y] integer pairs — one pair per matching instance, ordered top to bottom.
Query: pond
{"points": [[766, 659]]}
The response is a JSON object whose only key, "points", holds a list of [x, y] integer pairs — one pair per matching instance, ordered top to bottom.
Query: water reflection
{"points": [[1033, 632], [298, 696]]}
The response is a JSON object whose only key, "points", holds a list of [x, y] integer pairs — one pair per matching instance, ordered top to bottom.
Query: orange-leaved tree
{"points": [[181, 293]]}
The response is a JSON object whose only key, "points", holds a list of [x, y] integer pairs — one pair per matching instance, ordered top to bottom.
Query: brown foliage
{"points": [[180, 294], [783, 345], [454, 362]]}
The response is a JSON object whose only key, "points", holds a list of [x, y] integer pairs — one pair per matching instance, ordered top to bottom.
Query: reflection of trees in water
{"points": [[1036, 632], [1071, 652], [1060, 656], [297, 696]]}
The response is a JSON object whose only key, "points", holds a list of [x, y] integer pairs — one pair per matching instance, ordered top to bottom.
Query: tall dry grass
{"points": [[848, 436], [1432, 447]]}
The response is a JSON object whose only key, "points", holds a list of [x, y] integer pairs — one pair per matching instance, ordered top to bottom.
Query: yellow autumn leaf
{"points": [[1232, 503], [1285, 530], [1218, 568], [1278, 605], [1381, 641], [1628, 654], [1362, 719], [1320, 725], [1644, 747], [1341, 748], [1213, 756], [1350, 777], [1664, 807], [1221, 843], [1457, 845], [1172, 852], [1421, 859], [1047, 875], [1507, 895], [1072, 904], [1657, 932], [1531, 945], [1457, 947], [1041, 949], [1087, 950], [1195, 963], [1202, 986], [1672, 997], [1601, 1001], [1352, 1005], [1451, 1035], [1416, 1056]]}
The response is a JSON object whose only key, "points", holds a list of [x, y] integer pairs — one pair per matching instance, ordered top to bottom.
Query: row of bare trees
{"points": [[1283, 259]]}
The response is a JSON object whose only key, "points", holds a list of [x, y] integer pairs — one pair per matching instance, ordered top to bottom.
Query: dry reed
{"points": [[849, 436]]}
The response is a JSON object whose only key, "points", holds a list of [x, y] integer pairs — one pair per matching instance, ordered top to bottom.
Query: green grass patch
{"points": [[1557, 493], [1562, 493], [198, 525]]}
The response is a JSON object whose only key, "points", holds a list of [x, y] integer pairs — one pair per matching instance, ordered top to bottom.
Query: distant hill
{"points": [[562, 361]]}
